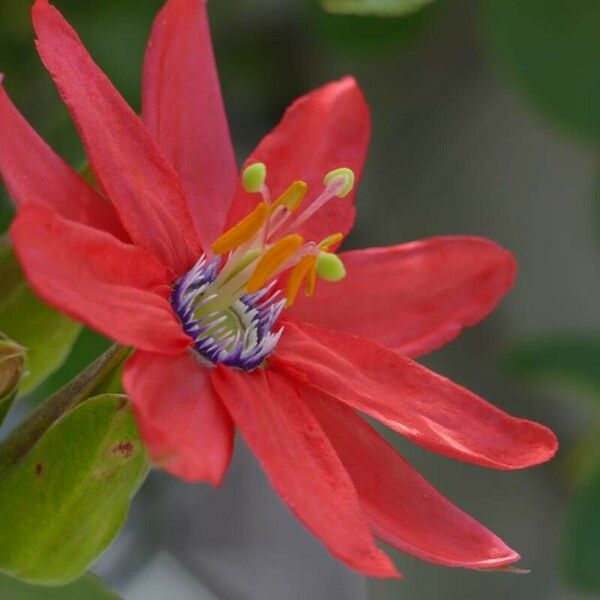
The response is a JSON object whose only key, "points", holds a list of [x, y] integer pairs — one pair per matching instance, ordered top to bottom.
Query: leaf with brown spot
{"points": [[68, 496]]}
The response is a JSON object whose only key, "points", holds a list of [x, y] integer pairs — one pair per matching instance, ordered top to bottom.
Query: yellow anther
{"points": [[292, 197], [244, 231], [331, 240], [273, 258], [302, 270]]}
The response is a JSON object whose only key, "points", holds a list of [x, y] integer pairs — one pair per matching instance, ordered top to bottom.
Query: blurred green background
{"points": [[486, 121]]}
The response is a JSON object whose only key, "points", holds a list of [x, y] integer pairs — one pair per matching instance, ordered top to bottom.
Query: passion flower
{"points": [[202, 272]]}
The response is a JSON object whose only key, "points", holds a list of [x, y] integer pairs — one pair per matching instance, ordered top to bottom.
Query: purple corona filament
{"points": [[238, 334]]}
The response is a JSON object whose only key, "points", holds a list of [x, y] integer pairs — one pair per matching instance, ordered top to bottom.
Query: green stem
{"points": [[86, 384]]}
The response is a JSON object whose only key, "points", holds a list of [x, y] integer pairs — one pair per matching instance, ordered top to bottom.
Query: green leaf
{"points": [[382, 8], [551, 49], [47, 334], [568, 359], [68, 496], [581, 548], [87, 587]]}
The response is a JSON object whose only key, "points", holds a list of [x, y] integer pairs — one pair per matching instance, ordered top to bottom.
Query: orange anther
{"points": [[292, 197], [244, 231], [330, 241], [273, 258], [303, 269], [311, 281]]}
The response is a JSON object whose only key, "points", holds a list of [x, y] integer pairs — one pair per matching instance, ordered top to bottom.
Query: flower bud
{"points": [[12, 365]]}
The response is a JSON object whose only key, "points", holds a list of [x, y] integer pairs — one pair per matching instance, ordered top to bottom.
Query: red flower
{"points": [[211, 351]]}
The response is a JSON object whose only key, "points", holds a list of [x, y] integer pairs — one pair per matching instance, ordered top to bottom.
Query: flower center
{"points": [[229, 304]]}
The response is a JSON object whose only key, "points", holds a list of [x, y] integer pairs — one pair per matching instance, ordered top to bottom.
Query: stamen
{"points": [[338, 183], [292, 197], [285, 205], [244, 231], [331, 240], [273, 258], [237, 268], [300, 271], [311, 282], [230, 304]]}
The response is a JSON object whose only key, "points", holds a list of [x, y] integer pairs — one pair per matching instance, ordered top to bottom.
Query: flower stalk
{"points": [[98, 378]]}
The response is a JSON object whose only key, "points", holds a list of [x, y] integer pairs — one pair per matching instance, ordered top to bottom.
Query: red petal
{"points": [[183, 109], [324, 130], [33, 172], [133, 173], [116, 288], [414, 297], [425, 407], [182, 420], [301, 464], [403, 508]]}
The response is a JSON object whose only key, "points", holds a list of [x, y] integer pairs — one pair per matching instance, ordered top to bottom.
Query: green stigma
{"points": [[253, 177], [343, 177], [330, 267]]}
